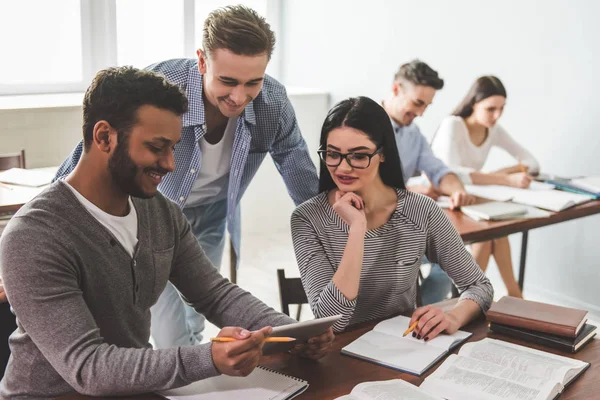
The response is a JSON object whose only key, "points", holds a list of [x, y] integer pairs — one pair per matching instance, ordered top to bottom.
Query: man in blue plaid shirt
{"points": [[237, 114]]}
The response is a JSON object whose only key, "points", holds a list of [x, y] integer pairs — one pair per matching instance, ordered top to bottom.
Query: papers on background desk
{"points": [[28, 177], [538, 195], [443, 202], [530, 213]]}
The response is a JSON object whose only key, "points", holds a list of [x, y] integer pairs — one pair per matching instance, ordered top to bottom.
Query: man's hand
{"points": [[428, 191], [461, 198], [2, 293], [317, 347], [240, 357]]}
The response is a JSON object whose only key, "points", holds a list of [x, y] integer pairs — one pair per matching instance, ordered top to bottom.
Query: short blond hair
{"points": [[238, 29]]}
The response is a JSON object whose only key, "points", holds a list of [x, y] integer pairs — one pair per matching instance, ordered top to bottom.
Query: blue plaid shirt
{"points": [[267, 125], [416, 155]]}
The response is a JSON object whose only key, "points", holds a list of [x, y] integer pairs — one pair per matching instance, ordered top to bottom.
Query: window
{"points": [[149, 31], [58, 46], [36, 50]]}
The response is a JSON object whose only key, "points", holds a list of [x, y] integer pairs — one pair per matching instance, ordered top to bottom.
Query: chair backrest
{"points": [[14, 160], [291, 291]]}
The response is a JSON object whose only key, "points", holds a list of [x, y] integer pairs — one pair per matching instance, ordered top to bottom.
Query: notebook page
{"points": [[397, 325], [408, 355], [530, 361], [461, 378], [260, 384], [395, 389]]}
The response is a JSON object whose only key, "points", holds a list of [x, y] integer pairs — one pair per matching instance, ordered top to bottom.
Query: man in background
{"points": [[413, 90]]}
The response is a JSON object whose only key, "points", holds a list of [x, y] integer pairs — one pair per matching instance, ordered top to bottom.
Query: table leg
{"points": [[523, 259]]}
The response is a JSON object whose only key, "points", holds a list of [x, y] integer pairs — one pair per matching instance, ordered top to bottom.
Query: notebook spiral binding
{"points": [[281, 373]]}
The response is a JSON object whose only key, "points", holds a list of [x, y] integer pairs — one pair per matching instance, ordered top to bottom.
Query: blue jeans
{"points": [[437, 286], [174, 323]]}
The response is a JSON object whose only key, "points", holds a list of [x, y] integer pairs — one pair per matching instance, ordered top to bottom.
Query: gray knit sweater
{"points": [[83, 304]]}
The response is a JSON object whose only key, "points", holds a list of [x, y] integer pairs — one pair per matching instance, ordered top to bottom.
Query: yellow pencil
{"points": [[521, 167], [411, 328], [274, 339]]}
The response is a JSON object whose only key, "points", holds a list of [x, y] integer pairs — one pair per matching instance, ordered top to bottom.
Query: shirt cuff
{"points": [[437, 177], [333, 302], [197, 362]]}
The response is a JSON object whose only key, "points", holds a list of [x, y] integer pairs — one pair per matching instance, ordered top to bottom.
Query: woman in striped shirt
{"points": [[359, 243]]}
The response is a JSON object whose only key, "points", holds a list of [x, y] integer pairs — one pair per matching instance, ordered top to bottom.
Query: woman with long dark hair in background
{"points": [[464, 140]]}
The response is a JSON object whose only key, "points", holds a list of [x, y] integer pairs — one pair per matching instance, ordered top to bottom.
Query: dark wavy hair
{"points": [[484, 87], [116, 94], [367, 116]]}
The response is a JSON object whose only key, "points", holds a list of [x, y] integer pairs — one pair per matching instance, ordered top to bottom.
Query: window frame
{"points": [[99, 32]]}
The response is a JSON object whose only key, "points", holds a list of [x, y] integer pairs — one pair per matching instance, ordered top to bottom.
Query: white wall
{"points": [[546, 53]]}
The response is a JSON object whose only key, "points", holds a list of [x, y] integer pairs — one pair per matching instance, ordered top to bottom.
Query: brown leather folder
{"points": [[540, 317]]}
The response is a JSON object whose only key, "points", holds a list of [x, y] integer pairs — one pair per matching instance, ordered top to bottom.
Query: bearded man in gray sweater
{"points": [[85, 260]]}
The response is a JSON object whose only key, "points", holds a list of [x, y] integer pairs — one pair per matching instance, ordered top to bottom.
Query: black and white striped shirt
{"points": [[392, 257]]}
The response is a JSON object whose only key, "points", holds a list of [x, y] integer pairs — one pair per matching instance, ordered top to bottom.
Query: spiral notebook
{"points": [[262, 383]]}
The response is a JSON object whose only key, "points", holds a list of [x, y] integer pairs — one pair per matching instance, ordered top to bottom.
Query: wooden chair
{"points": [[14, 160], [291, 291]]}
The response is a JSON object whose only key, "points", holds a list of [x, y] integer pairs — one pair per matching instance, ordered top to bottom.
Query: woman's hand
{"points": [[519, 180], [351, 208], [432, 322]]}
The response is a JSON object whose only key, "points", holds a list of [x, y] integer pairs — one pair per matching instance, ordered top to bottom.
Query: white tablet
{"points": [[302, 331]]}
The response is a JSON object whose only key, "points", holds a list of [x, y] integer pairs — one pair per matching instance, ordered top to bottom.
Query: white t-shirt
{"points": [[454, 147], [213, 177], [124, 229]]}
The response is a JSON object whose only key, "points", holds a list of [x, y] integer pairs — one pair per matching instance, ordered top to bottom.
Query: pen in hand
{"points": [[411, 328]]}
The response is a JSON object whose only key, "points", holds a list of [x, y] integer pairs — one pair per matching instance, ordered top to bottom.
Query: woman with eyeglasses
{"points": [[359, 243]]}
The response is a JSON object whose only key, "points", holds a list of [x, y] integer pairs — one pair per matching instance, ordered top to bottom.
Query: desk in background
{"points": [[472, 231]]}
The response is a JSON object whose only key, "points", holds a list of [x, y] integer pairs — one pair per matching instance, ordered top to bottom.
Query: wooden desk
{"points": [[472, 231], [336, 374]]}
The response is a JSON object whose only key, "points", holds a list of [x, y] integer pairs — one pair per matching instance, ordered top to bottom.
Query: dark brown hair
{"points": [[238, 29], [419, 73], [484, 87], [117, 93], [365, 115]]}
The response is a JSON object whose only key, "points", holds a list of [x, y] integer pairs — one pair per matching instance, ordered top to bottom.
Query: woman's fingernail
{"points": [[244, 332], [414, 334], [418, 336], [426, 338]]}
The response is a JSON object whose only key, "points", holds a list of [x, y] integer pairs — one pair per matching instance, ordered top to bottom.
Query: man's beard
{"points": [[124, 171]]}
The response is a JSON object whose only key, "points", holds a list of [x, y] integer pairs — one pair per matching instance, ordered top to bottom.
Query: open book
{"points": [[553, 200], [385, 345], [493, 370], [261, 384], [395, 389]]}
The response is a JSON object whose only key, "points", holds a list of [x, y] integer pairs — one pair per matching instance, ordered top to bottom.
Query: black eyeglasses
{"points": [[356, 160]]}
